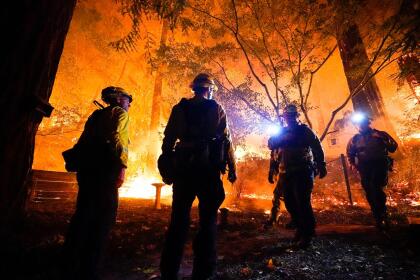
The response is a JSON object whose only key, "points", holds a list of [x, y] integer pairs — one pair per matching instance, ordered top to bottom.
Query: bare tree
{"points": [[299, 37], [284, 45]]}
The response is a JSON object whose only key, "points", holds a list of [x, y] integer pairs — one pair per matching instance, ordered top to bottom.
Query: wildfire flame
{"points": [[242, 153], [141, 187]]}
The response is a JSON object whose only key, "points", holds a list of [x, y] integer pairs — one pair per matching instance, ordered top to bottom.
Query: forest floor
{"points": [[347, 246]]}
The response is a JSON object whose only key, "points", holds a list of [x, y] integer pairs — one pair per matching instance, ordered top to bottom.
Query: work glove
{"points": [[322, 169], [232, 176], [121, 177]]}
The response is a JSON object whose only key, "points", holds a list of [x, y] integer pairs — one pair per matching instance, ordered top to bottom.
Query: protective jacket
{"points": [[199, 131], [104, 141], [371, 145], [300, 148], [102, 151]]}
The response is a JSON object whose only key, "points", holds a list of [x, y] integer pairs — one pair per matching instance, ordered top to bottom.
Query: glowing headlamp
{"points": [[358, 117], [273, 129]]}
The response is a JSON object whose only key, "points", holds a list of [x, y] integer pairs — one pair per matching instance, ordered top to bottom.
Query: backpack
{"points": [[203, 146], [90, 152]]}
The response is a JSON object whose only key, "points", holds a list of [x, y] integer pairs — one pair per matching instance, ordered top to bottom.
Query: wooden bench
{"points": [[50, 185], [55, 185]]}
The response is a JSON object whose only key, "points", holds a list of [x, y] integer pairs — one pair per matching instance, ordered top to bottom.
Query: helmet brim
{"points": [[129, 96]]}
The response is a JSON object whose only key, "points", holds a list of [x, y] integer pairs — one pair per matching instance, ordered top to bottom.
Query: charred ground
{"points": [[346, 246]]}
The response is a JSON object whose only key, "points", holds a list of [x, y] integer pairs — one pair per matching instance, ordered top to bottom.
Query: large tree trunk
{"points": [[33, 35], [355, 59], [157, 91], [157, 103]]}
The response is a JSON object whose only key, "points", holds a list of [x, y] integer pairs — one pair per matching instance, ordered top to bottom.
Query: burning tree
{"points": [[140, 12], [387, 39], [279, 42], [284, 45]]}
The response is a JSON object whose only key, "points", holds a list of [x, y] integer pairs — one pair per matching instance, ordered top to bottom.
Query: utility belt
{"points": [[202, 153], [362, 162], [301, 167]]}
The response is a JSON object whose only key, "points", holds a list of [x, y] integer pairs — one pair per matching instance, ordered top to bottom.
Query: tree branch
{"points": [[235, 32], [264, 39], [382, 66], [313, 72], [234, 91]]}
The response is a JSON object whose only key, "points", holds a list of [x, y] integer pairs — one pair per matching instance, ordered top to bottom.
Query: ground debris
{"points": [[339, 251]]}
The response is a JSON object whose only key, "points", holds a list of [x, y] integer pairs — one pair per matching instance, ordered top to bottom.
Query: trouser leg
{"points": [[374, 177], [380, 180], [371, 191], [297, 194], [277, 198], [291, 199], [376, 199], [380, 203], [103, 213], [307, 219], [90, 226], [177, 232], [76, 237], [205, 243], [205, 256]]}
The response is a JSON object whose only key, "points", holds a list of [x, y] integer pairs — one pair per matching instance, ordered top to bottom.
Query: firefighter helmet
{"points": [[201, 81], [111, 93], [290, 110]]}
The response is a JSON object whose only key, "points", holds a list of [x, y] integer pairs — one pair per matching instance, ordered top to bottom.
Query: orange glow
{"points": [[88, 64], [414, 136], [242, 153], [141, 187]]}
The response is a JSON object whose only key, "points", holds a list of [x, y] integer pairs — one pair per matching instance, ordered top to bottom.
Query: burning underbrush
{"points": [[252, 191]]}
